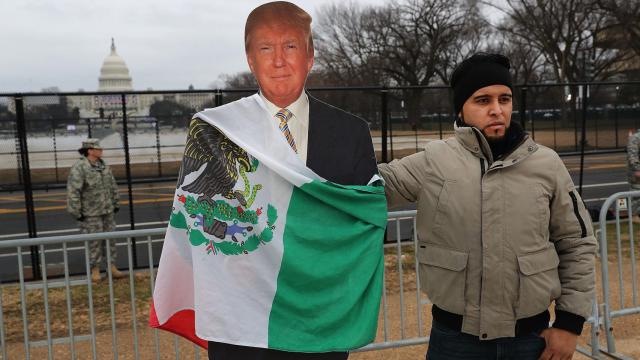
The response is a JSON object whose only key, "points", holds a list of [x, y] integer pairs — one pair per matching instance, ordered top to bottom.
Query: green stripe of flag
{"points": [[330, 279]]}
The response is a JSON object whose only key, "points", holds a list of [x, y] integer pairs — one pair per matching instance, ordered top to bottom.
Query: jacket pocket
{"points": [[442, 212], [443, 276], [539, 282]]}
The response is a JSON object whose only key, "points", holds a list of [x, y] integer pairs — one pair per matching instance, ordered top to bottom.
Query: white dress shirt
{"points": [[298, 124]]}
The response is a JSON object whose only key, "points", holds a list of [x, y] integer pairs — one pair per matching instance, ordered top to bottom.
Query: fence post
{"points": [[585, 96], [218, 97], [523, 107], [574, 110], [454, 115], [615, 115], [384, 118], [595, 125], [89, 127], [390, 128], [555, 129], [415, 132], [55, 147], [158, 152], [127, 161], [26, 177], [604, 268]]}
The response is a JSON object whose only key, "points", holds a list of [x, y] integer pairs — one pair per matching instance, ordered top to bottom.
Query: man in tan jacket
{"points": [[502, 231]]}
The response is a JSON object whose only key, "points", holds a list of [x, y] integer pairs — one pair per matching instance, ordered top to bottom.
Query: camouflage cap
{"points": [[91, 144]]}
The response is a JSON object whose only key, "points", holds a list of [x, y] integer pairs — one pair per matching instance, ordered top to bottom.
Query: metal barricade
{"points": [[624, 242], [398, 249], [73, 285], [95, 314], [121, 315]]}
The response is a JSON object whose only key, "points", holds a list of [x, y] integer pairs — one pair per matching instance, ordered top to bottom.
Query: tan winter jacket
{"points": [[498, 241]]}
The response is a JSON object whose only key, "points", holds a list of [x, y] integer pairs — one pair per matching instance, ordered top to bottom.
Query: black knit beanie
{"points": [[476, 72]]}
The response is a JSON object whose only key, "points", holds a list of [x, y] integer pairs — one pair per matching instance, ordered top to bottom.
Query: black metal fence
{"points": [[148, 127], [143, 132]]}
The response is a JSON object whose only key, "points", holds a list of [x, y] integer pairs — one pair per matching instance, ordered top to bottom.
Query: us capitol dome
{"points": [[114, 73], [115, 77]]}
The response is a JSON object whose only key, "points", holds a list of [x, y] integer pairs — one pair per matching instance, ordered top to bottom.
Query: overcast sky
{"points": [[167, 44]]}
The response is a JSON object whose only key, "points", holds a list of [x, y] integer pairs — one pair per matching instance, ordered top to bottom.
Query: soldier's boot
{"points": [[116, 273], [95, 274]]}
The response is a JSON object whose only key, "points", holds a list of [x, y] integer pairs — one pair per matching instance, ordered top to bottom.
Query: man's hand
{"points": [[636, 174], [561, 344]]}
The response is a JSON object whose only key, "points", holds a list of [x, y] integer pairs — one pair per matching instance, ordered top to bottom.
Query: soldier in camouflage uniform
{"points": [[633, 160], [92, 198]]}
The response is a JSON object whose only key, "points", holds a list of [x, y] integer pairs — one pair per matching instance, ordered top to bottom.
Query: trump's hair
{"points": [[278, 12]]}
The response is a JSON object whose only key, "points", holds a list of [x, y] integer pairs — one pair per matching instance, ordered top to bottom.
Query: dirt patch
{"points": [[79, 303]]}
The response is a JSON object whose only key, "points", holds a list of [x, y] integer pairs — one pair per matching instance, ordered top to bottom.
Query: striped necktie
{"points": [[284, 115]]}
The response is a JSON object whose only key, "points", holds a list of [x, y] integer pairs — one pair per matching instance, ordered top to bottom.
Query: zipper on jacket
{"points": [[496, 166], [482, 172], [574, 199]]}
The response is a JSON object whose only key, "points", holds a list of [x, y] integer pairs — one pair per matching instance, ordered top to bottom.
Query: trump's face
{"points": [[280, 59]]}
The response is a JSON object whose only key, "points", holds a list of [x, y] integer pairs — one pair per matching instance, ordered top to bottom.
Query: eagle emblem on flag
{"points": [[206, 200]]}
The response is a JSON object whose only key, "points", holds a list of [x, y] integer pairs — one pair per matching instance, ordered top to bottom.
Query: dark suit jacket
{"points": [[340, 148]]}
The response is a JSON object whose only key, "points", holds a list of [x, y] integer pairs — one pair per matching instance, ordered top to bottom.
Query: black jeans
{"points": [[446, 344], [222, 351]]}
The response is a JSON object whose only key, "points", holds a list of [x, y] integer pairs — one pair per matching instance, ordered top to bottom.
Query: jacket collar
{"points": [[474, 141], [99, 165]]}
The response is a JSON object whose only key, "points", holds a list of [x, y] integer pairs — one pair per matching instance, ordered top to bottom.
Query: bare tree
{"points": [[624, 16], [564, 32], [475, 35], [344, 41], [409, 42], [402, 43], [527, 62], [241, 80]]}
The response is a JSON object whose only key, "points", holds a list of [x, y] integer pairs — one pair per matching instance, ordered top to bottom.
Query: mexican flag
{"points": [[261, 251]]}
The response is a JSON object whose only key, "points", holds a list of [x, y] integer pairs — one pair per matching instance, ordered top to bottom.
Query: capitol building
{"points": [[114, 74], [115, 77]]}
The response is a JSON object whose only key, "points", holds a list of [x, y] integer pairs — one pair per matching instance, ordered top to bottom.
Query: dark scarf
{"points": [[514, 135], [512, 138]]}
